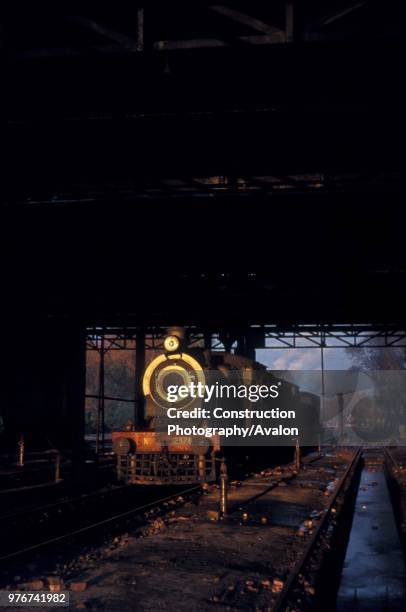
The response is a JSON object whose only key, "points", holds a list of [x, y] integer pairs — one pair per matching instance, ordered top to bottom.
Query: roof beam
{"points": [[343, 13], [244, 19], [126, 42], [193, 43], [203, 43], [35, 54]]}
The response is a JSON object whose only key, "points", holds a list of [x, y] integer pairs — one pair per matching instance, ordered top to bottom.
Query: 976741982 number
{"points": [[36, 598]]}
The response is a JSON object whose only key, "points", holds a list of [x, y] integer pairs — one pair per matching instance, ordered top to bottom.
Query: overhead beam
{"points": [[343, 13], [252, 22], [140, 29], [265, 39], [124, 41], [193, 43], [202, 43], [159, 45], [67, 51]]}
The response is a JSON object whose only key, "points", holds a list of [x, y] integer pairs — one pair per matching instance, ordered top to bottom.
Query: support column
{"points": [[293, 21], [140, 29], [227, 338], [207, 339], [245, 347], [76, 390], [340, 401], [139, 403]]}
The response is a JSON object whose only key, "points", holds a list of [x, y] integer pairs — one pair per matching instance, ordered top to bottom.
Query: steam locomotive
{"points": [[146, 454]]}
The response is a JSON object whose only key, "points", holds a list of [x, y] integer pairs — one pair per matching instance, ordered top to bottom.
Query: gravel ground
{"points": [[188, 560]]}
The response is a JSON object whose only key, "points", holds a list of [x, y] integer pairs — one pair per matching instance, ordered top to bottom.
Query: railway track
{"points": [[395, 464], [398, 465], [49, 469], [257, 491], [16, 516], [49, 520], [40, 526], [239, 559], [293, 587]]}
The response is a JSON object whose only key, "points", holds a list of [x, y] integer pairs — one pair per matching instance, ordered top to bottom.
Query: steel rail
{"points": [[398, 467], [78, 499], [110, 520], [299, 567]]}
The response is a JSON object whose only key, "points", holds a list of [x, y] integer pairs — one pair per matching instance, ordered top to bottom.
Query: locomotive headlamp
{"points": [[171, 343], [173, 369]]}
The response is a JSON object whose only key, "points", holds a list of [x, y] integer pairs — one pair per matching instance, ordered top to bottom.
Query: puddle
{"points": [[374, 573]]}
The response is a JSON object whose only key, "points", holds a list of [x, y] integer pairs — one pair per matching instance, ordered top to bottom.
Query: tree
{"points": [[385, 358]]}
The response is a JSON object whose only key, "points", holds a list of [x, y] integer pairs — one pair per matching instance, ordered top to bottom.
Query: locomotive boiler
{"points": [[149, 455]]}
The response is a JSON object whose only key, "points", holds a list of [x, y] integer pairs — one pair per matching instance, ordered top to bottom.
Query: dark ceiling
{"points": [[205, 162]]}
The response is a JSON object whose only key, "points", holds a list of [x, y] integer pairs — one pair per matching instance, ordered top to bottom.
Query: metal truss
{"points": [[205, 26], [298, 336], [304, 336], [336, 336], [125, 339]]}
